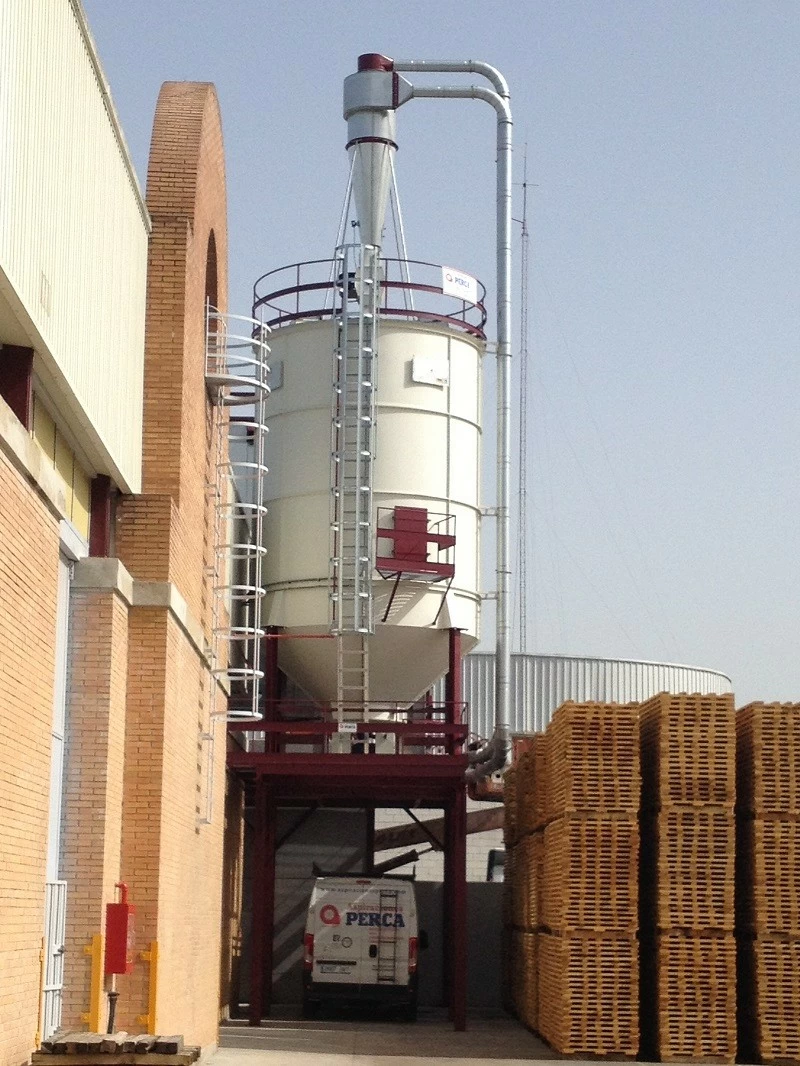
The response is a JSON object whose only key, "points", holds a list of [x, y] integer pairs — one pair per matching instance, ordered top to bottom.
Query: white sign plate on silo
{"points": [[457, 283], [430, 370]]}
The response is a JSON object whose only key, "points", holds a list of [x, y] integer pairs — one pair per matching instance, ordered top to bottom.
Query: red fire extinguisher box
{"points": [[120, 934]]}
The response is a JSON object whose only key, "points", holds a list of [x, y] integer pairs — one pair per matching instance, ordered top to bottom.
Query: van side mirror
{"points": [[423, 940]]}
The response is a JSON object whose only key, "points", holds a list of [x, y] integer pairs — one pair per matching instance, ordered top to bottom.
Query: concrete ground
{"points": [[365, 1041]]}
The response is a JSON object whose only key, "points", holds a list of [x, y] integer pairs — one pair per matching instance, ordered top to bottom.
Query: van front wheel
{"points": [[310, 1008], [409, 1013]]}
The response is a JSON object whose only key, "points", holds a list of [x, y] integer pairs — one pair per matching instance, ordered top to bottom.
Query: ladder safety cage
{"points": [[237, 377]]}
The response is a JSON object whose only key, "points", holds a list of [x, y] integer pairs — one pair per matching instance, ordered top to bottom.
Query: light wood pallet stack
{"points": [[522, 877], [687, 878], [768, 881], [588, 952]]}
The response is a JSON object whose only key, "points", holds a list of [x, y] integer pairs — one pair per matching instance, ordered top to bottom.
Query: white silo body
{"points": [[427, 456]]}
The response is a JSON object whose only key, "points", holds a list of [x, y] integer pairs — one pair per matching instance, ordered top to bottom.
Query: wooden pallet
{"points": [[539, 746], [688, 751], [593, 759], [768, 759], [526, 787], [510, 814], [688, 868], [591, 875], [768, 876], [508, 885], [525, 888], [524, 978], [589, 994], [688, 997], [769, 998], [75, 1048]]}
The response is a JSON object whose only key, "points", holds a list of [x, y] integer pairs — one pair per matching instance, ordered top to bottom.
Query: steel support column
{"points": [[453, 684], [369, 841], [458, 909], [447, 912], [261, 933]]}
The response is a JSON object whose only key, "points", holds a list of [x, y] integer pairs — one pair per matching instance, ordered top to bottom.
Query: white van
{"points": [[361, 943]]}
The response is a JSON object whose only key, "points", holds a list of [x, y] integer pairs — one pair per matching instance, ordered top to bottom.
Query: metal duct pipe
{"points": [[458, 66], [494, 755]]}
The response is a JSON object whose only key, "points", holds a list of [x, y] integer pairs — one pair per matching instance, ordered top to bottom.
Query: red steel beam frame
{"points": [[453, 694], [369, 841], [456, 894], [447, 929], [262, 930]]}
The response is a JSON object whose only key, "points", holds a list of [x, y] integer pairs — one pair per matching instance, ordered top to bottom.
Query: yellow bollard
{"points": [[95, 949], [149, 1019]]}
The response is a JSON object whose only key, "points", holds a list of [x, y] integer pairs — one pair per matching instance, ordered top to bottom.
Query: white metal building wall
{"points": [[73, 229], [540, 683]]}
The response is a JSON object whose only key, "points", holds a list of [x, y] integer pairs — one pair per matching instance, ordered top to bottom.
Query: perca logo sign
{"points": [[457, 283], [329, 915], [374, 918]]}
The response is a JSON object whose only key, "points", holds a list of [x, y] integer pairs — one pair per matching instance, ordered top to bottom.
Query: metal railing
{"points": [[308, 291]]}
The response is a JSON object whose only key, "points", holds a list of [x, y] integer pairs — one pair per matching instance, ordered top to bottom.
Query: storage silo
{"points": [[425, 482]]}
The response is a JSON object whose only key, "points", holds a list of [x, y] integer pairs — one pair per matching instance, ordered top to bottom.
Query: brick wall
{"points": [[187, 203], [28, 594], [93, 785], [172, 860]]}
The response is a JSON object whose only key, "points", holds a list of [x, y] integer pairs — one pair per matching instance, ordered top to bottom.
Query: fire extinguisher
{"points": [[119, 945]]}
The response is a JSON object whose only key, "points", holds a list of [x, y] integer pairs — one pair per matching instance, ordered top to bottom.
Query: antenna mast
{"points": [[522, 494]]}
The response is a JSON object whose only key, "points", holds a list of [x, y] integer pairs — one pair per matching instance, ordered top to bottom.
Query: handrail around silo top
{"points": [[278, 296]]}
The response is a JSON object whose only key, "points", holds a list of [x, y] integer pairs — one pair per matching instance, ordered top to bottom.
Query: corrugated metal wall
{"points": [[73, 229], [540, 683]]}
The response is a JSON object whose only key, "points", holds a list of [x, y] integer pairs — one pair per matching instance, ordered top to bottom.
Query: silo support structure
{"points": [[263, 908], [454, 918]]}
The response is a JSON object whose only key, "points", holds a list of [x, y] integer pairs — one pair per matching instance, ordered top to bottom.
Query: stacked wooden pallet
{"points": [[524, 845], [687, 878], [768, 880], [588, 953]]}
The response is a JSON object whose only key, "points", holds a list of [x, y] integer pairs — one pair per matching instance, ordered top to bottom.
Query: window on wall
{"points": [[77, 483]]}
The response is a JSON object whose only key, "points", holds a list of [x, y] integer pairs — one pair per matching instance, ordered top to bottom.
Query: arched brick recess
{"points": [[186, 198], [171, 854]]}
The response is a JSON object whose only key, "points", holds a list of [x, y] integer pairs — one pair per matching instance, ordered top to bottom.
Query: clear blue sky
{"points": [[665, 265]]}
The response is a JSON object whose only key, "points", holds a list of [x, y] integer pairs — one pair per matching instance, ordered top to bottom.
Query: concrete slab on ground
{"points": [[360, 1041]]}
